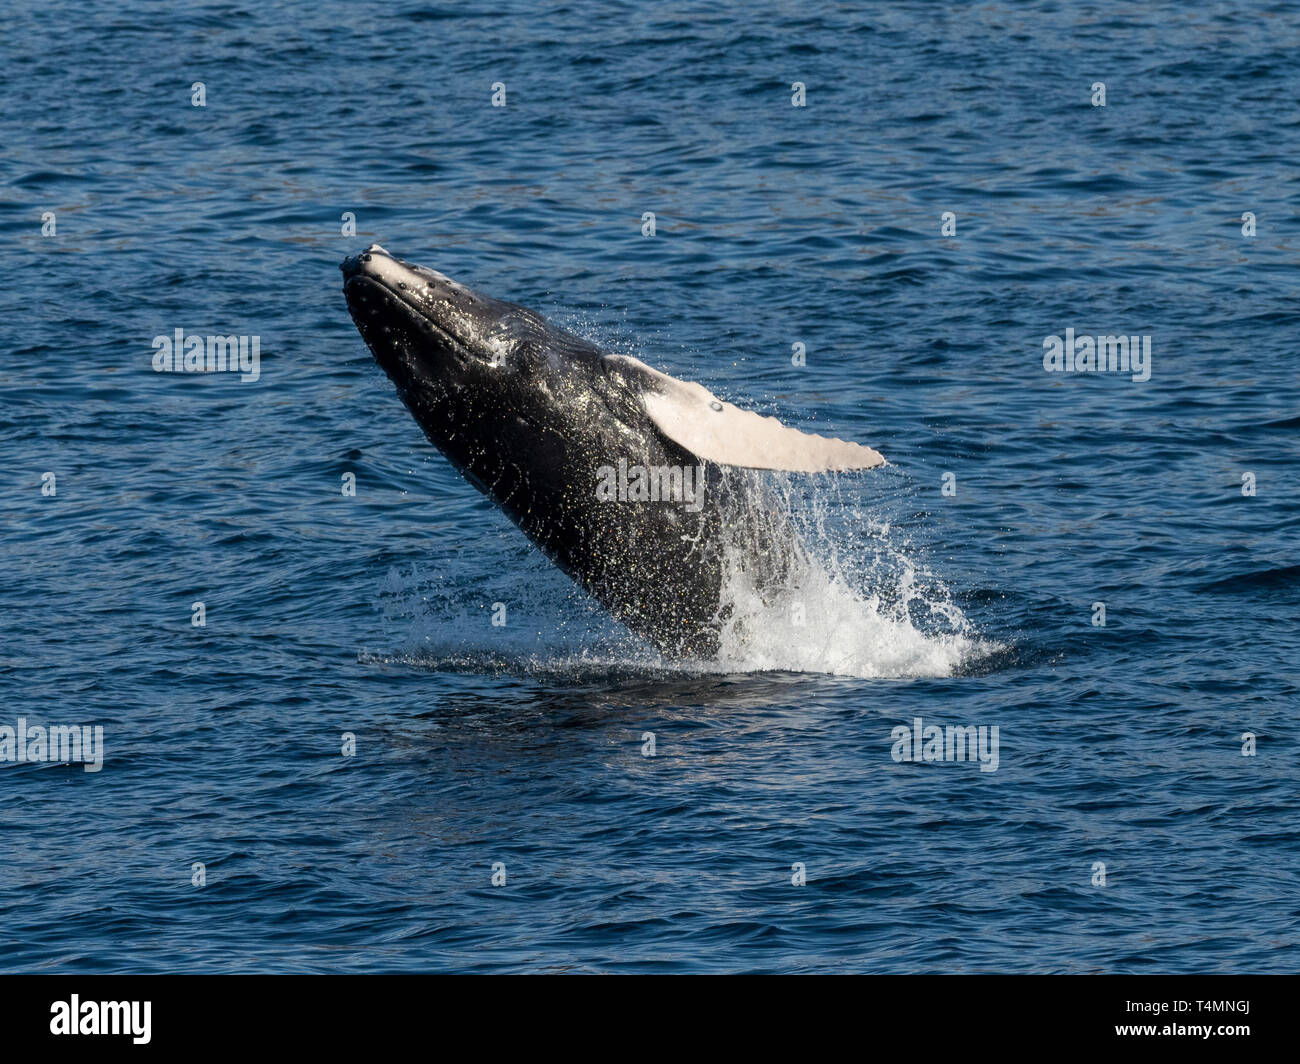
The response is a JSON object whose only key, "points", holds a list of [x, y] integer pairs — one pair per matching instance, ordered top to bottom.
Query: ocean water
{"points": [[1123, 827]]}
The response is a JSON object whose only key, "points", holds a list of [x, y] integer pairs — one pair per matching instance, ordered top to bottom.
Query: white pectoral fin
{"points": [[696, 420]]}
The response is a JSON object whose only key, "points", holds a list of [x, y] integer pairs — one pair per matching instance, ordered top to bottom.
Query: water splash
{"points": [[852, 600]]}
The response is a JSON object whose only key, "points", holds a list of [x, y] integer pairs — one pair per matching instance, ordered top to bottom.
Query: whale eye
{"points": [[716, 405]]}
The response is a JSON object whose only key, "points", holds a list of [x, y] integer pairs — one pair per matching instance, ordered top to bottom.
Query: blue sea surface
{"points": [[1131, 824]]}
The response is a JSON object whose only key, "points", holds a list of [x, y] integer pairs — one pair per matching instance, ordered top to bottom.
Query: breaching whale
{"points": [[641, 487]]}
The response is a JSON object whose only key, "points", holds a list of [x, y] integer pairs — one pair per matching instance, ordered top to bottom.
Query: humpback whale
{"points": [[641, 487]]}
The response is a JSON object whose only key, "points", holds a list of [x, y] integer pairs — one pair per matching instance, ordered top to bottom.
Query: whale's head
{"points": [[433, 334], [479, 374]]}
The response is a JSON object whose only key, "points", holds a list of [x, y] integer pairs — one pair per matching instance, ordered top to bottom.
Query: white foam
{"points": [[853, 602]]}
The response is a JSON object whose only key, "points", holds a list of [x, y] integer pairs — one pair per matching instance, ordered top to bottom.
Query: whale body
{"points": [[641, 487]]}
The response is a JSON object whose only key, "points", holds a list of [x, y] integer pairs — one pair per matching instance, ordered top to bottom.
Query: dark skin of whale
{"points": [[530, 413]]}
